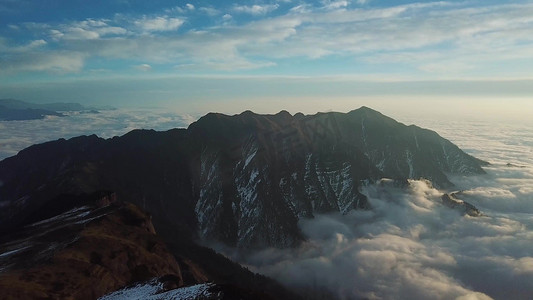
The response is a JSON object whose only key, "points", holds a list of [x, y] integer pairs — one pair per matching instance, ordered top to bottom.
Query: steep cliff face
{"points": [[259, 174], [244, 180]]}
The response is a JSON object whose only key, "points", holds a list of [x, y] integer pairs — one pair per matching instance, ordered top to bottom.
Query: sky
{"points": [[264, 54]]}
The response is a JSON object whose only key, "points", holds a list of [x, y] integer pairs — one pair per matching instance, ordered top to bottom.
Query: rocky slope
{"points": [[244, 180], [97, 245], [83, 253]]}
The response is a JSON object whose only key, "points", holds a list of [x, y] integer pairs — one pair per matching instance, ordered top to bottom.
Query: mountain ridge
{"points": [[17, 110], [245, 179], [93, 244]]}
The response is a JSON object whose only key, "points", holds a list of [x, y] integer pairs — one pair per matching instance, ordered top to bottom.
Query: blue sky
{"points": [[126, 52]]}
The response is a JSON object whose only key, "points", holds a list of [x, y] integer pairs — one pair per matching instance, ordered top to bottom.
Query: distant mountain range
{"points": [[11, 109], [244, 180]]}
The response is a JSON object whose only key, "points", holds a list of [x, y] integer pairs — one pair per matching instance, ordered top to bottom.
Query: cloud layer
{"points": [[437, 39], [17, 135], [410, 246]]}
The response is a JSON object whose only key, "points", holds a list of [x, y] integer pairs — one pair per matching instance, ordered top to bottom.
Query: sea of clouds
{"points": [[17, 135], [408, 246]]}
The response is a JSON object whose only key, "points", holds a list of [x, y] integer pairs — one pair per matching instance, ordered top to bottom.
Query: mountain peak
{"points": [[366, 110], [284, 113], [245, 179]]}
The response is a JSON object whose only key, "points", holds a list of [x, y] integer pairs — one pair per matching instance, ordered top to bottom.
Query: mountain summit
{"points": [[244, 180]]}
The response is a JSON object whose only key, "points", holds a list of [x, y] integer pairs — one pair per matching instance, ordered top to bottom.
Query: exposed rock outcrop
{"points": [[451, 201]]}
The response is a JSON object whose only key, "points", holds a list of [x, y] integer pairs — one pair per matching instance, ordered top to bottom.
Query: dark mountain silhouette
{"points": [[57, 106], [11, 109], [10, 114], [244, 180]]}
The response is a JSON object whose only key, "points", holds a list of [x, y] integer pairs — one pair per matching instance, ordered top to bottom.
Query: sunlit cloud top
{"points": [[380, 40]]}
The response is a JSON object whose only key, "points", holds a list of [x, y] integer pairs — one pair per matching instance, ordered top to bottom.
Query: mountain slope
{"points": [[244, 180], [92, 244], [83, 253]]}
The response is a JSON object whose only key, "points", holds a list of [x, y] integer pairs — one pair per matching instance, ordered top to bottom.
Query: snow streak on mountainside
{"points": [[280, 168]]}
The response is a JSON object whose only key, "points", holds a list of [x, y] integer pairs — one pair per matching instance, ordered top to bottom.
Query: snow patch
{"points": [[8, 253], [151, 290]]}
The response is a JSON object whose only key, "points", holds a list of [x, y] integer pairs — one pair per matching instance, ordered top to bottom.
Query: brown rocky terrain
{"points": [[92, 250], [85, 253]]}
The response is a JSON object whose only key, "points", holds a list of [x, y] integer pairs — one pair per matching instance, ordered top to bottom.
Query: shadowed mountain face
{"points": [[244, 180]]}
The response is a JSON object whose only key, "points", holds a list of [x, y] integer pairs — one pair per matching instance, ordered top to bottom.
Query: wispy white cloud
{"points": [[328, 4], [256, 9], [210, 11], [162, 23], [89, 29], [430, 38], [30, 58], [143, 67], [15, 136]]}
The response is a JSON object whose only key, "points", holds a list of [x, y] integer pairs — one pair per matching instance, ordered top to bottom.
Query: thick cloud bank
{"points": [[17, 135], [411, 246]]}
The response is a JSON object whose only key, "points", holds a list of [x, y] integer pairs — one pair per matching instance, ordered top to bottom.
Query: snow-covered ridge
{"points": [[155, 289]]}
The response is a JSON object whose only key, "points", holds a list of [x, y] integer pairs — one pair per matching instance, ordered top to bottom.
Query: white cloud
{"points": [[335, 4], [189, 6], [256, 9], [210, 11], [226, 17], [163, 23], [88, 29], [80, 33], [455, 39], [32, 45], [55, 62], [144, 67], [15, 136], [409, 246]]}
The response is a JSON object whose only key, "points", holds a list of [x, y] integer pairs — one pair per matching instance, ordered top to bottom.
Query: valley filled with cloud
{"points": [[17, 135], [411, 246]]}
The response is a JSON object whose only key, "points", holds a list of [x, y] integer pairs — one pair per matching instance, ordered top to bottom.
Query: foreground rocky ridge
{"points": [[244, 180], [98, 245], [84, 253]]}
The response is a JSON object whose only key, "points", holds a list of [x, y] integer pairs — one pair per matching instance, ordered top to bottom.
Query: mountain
{"points": [[58, 106], [11, 109], [11, 114], [244, 180], [94, 244]]}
